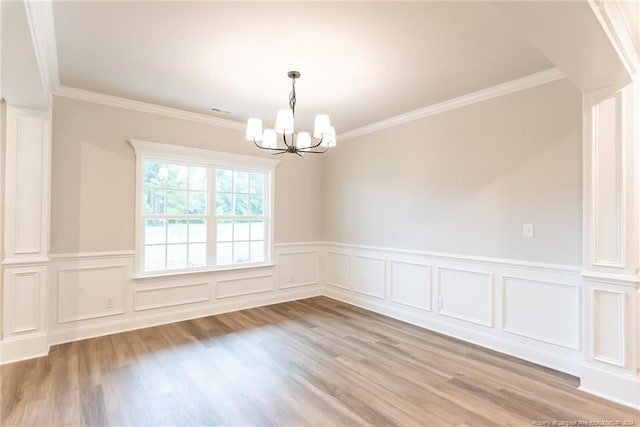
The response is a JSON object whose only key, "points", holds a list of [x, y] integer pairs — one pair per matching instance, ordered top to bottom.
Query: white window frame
{"points": [[147, 150]]}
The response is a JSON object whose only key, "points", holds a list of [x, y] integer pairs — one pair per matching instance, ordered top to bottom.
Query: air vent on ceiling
{"points": [[220, 110]]}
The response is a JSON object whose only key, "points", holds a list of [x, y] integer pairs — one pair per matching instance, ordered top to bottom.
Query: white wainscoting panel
{"points": [[27, 184], [608, 226], [298, 269], [338, 269], [369, 276], [411, 284], [244, 285], [91, 291], [23, 293], [171, 295], [466, 295], [484, 300], [543, 311], [609, 327]]}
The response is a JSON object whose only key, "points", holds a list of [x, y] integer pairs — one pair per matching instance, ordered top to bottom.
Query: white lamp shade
{"points": [[284, 121], [321, 125], [254, 130], [329, 138], [269, 139], [303, 140]]}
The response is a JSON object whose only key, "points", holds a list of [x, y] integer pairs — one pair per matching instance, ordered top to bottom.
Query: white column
{"points": [[26, 234], [611, 243]]}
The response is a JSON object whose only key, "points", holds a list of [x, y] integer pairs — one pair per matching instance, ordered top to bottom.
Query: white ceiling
{"points": [[360, 62]]}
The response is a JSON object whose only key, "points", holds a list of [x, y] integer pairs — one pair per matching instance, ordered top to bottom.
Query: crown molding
{"points": [[614, 18], [43, 35], [506, 88], [145, 107]]}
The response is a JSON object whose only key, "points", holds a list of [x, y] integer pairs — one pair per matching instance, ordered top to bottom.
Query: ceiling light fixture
{"points": [[267, 140]]}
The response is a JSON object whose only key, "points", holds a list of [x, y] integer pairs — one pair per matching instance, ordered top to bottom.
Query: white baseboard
{"points": [[500, 344], [15, 349], [620, 388]]}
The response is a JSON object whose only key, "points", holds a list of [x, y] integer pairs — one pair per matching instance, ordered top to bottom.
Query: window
{"points": [[201, 209]]}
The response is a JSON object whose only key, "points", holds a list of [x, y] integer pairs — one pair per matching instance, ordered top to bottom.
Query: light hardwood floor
{"points": [[309, 362]]}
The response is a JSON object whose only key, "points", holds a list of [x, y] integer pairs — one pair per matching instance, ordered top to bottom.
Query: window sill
{"points": [[204, 271]]}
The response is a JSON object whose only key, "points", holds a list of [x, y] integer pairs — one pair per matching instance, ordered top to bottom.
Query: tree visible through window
{"points": [[175, 216], [196, 216], [240, 216]]}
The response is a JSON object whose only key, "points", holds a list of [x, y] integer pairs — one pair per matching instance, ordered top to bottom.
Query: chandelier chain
{"points": [[292, 97]]}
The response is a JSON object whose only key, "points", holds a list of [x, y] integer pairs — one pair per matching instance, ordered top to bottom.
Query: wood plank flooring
{"points": [[309, 362]]}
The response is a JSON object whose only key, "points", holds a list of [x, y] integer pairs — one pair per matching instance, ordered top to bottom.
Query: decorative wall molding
{"points": [[532, 80], [144, 107], [27, 185], [608, 195], [611, 240], [337, 247], [369, 275], [410, 283], [244, 285], [471, 290], [82, 291], [171, 295], [467, 295], [556, 311], [609, 326]]}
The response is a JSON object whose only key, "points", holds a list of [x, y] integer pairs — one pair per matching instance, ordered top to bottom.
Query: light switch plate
{"points": [[527, 231]]}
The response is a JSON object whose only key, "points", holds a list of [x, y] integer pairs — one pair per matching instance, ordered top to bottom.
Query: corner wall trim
{"points": [[532, 80]]}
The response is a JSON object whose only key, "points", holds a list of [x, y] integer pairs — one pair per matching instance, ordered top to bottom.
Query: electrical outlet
{"points": [[527, 231], [108, 302]]}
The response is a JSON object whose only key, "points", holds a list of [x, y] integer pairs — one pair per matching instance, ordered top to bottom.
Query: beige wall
{"points": [[93, 175], [464, 181]]}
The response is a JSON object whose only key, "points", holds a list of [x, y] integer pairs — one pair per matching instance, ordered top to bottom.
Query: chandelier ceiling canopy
{"points": [[324, 135]]}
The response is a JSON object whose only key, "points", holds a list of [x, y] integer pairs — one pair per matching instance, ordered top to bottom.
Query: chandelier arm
{"points": [[284, 138], [319, 142], [281, 150], [315, 152]]}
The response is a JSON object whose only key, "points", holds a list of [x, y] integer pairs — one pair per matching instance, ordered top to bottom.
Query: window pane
{"points": [[155, 174], [178, 176], [197, 178], [223, 180], [241, 182], [256, 183], [154, 202], [176, 202], [197, 202], [223, 204], [241, 204], [256, 205], [257, 229], [197, 230], [225, 230], [241, 230], [154, 231], [177, 231], [257, 251], [224, 252], [241, 252], [197, 255], [176, 256], [154, 258]]}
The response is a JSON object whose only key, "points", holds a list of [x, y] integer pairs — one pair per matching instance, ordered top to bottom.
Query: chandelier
{"points": [[323, 133]]}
